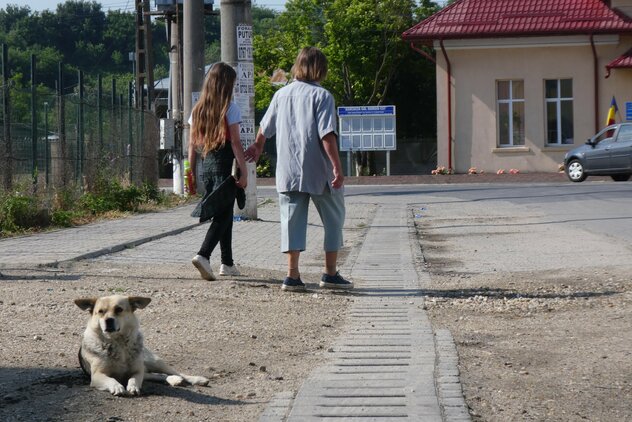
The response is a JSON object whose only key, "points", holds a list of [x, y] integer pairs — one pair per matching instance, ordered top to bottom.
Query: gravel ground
{"points": [[244, 334], [551, 344]]}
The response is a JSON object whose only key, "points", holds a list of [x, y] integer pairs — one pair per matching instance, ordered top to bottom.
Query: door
{"points": [[621, 149]]}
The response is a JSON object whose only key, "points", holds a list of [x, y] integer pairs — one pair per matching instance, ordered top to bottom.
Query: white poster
{"points": [[244, 42]]}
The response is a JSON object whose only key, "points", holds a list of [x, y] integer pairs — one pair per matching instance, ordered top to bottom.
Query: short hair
{"points": [[310, 65]]}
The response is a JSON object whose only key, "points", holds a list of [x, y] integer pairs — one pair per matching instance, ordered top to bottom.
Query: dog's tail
{"points": [[82, 363]]}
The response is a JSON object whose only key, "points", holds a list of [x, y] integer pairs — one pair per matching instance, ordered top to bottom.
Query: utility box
{"points": [[167, 133]]}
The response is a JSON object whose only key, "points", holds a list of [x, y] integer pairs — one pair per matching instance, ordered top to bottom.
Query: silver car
{"points": [[608, 153]]}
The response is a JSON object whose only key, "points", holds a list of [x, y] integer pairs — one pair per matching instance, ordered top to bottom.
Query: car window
{"points": [[625, 134], [603, 137]]}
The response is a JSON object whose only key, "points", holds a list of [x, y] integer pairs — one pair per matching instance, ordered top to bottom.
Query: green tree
{"points": [[362, 40]]}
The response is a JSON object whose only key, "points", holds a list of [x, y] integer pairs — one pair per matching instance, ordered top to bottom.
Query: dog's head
{"points": [[113, 314]]}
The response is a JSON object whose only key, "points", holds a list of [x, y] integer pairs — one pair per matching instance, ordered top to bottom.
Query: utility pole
{"points": [[236, 46], [144, 63], [193, 68], [175, 73]]}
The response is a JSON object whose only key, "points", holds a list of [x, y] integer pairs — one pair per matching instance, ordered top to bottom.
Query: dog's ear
{"points": [[138, 302], [87, 304]]}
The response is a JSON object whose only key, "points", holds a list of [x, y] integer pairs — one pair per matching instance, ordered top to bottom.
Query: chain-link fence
{"points": [[74, 134]]}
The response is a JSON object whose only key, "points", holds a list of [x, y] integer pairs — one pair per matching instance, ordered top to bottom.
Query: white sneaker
{"points": [[204, 267], [229, 270]]}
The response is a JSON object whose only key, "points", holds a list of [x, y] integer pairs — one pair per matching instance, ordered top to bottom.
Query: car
{"points": [[608, 153]]}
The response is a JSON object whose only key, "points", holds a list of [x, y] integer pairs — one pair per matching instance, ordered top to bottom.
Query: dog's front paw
{"points": [[175, 380], [132, 388], [116, 389]]}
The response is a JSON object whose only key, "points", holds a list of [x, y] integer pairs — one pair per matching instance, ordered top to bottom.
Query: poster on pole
{"points": [[244, 42], [244, 94]]}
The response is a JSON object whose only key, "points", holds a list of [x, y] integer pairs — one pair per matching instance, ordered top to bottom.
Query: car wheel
{"points": [[575, 171], [620, 177]]}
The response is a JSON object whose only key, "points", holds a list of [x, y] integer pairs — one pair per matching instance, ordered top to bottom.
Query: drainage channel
{"points": [[382, 367]]}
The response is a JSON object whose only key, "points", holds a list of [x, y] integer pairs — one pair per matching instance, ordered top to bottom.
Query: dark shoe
{"points": [[335, 282], [293, 285]]}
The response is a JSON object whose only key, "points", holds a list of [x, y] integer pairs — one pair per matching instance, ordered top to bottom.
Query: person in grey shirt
{"points": [[302, 115]]}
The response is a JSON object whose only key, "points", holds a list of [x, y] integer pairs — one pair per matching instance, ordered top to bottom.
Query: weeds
{"points": [[22, 210]]}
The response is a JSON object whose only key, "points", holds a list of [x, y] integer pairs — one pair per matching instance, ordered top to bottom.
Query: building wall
{"points": [[624, 6], [476, 66]]}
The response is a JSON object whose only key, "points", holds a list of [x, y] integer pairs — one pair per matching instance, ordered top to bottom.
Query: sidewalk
{"points": [[387, 365]]}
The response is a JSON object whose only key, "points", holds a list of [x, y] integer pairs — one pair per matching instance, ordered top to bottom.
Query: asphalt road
{"points": [[600, 207]]}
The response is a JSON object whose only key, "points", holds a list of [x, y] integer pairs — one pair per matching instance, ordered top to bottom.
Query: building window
{"points": [[510, 96], [559, 111]]}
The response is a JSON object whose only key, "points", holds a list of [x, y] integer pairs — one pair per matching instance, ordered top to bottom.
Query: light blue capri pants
{"points": [[294, 207]]}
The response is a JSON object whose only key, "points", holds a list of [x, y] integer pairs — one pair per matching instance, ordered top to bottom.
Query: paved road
{"points": [[397, 367]]}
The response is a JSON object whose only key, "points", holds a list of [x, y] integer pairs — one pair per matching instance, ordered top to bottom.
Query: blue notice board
{"points": [[628, 110], [368, 128]]}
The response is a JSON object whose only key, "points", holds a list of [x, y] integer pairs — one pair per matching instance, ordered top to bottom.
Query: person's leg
{"points": [[293, 207], [331, 208], [220, 224], [215, 232], [226, 239], [331, 263], [292, 264]]}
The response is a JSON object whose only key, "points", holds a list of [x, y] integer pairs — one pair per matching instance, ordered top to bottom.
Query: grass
{"points": [[24, 211]]}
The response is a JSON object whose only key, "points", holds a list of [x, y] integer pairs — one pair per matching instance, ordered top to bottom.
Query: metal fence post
{"points": [[100, 112], [61, 117], [6, 118], [113, 119], [33, 124], [80, 128], [129, 131], [46, 144]]}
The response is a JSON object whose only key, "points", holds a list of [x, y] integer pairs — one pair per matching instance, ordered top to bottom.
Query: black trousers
{"points": [[220, 231]]}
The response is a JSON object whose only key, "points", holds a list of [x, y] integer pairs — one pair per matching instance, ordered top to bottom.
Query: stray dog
{"points": [[112, 352]]}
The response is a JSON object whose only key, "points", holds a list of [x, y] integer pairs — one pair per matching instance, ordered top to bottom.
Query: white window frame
{"points": [[510, 102], [558, 111]]}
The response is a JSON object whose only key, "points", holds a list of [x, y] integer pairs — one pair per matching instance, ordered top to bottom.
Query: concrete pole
{"points": [[236, 46], [193, 63], [175, 90]]}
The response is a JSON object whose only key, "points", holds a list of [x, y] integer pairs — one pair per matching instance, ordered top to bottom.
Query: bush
{"points": [[264, 166], [109, 195], [22, 210], [17, 211], [62, 218]]}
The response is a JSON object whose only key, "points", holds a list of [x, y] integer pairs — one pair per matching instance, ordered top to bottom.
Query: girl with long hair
{"points": [[214, 134]]}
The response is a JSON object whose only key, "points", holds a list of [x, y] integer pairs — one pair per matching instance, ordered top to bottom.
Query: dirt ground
{"points": [[248, 337], [545, 345]]}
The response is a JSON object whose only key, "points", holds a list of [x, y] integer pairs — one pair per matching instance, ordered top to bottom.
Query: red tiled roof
{"points": [[503, 18], [624, 60]]}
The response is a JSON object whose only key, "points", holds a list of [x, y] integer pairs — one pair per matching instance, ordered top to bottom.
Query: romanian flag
{"points": [[612, 112]]}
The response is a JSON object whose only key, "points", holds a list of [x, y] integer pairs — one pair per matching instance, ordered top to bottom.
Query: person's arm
{"points": [[331, 149], [255, 150], [238, 151]]}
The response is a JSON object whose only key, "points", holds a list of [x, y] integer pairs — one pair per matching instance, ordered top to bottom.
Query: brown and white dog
{"points": [[112, 353]]}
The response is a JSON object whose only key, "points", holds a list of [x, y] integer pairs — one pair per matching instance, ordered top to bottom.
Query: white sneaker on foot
{"points": [[204, 267], [229, 270]]}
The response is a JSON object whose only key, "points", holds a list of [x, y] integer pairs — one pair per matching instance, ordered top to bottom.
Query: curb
{"points": [[121, 246]]}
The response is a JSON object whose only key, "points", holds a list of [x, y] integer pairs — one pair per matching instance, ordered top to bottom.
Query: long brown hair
{"points": [[208, 129]]}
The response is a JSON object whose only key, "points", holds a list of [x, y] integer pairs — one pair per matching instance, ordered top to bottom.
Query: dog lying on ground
{"points": [[112, 353]]}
